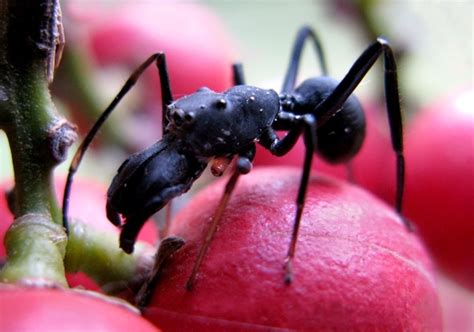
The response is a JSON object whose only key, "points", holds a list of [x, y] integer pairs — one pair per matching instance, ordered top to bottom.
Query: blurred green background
{"points": [[435, 38]]}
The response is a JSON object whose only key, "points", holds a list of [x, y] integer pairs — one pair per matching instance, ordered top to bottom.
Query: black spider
{"points": [[209, 126]]}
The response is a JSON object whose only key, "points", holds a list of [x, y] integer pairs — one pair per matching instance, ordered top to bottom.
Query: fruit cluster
{"points": [[356, 268]]}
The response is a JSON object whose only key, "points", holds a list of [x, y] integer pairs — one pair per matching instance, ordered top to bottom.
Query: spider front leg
{"points": [[304, 34], [238, 74], [167, 98], [299, 124]]}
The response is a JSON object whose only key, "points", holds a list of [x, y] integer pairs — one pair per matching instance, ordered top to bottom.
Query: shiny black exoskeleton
{"points": [[208, 126], [200, 127], [339, 136]]}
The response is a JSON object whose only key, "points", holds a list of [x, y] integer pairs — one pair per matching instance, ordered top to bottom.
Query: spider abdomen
{"points": [[340, 137]]}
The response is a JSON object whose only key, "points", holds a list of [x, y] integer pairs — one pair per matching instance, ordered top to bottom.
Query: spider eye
{"points": [[221, 103], [178, 116], [189, 116]]}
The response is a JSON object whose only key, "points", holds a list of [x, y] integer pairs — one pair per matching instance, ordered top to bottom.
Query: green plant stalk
{"points": [[29, 135], [38, 139], [37, 245], [35, 251], [97, 254]]}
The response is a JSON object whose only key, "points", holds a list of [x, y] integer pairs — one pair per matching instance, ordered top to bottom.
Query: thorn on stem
{"points": [[61, 136]]}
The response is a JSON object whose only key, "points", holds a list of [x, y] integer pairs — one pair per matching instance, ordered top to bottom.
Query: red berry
{"points": [[198, 50], [199, 53], [376, 153], [440, 182], [356, 265], [49, 310]]}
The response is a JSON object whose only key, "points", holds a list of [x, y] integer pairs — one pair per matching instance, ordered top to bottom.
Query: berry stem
{"points": [[31, 41]]}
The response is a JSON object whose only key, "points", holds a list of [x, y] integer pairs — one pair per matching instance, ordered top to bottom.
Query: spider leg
{"points": [[304, 34], [160, 60], [359, 69], [238, 74], [300, 124], [244, 163]]}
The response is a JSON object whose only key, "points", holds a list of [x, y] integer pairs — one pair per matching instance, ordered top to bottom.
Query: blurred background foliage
{"points": [[433, 39]]}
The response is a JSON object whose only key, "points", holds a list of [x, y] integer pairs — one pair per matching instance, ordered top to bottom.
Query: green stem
{"points": [[38, 137], [30, 138], [36, 243], [35, 251], [97, 254]]}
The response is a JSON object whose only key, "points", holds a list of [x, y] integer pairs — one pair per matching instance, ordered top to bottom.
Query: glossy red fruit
{"points": [[198, 49], [199, 53], [376, 154], [440, 182], [356, 266], [51, 310]]}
